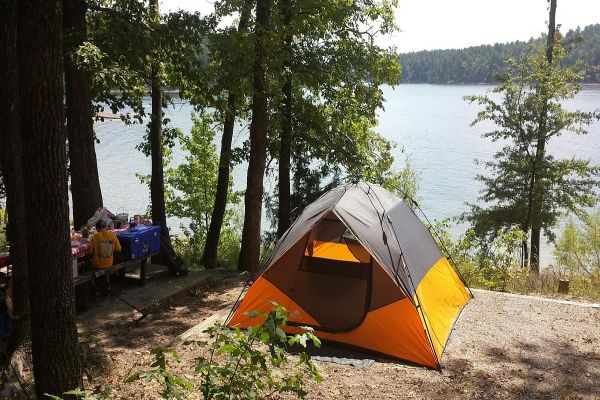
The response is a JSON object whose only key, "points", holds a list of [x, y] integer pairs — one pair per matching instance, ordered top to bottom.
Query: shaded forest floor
{"points": [[503, 347]]}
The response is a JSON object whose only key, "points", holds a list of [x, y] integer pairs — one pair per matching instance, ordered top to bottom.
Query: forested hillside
{"points": [[480, 64]]}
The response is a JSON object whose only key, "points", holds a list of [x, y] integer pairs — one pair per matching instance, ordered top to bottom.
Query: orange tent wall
{"points": [[333, 251], [442, 295], [259, 298], [395, 329]]}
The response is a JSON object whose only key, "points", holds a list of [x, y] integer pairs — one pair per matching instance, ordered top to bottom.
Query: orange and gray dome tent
{"points": [[359, 267]]}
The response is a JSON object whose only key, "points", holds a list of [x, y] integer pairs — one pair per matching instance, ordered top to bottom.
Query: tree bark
{"points": [[551, 32], [11, 157], [157, 181], [85, 184], [538, 196], [530, 199], [283, 215], [250, 248], [209, 256], [534, 263], [56, 364]]}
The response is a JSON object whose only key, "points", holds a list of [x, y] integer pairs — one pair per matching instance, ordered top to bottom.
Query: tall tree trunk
{"points": [[551, 32], [11, 157], [157, 181], [85, 184], [538, 196], [530, 199], [283, 216], [525, 247], [250, 248], [209, 256], [534, 263], [56, 364]]}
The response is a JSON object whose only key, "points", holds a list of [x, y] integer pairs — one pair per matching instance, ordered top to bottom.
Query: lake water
{"points": [[430, 124]]}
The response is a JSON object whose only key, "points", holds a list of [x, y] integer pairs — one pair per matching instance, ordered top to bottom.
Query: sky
{"points": [[448, 24]]}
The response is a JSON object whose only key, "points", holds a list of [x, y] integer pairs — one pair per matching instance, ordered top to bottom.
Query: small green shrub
{"points": [[190, 190], [231, 237], [190, 249], [578, 249], [500, 261], [485, 265], [497, 265], [92, 354], [248, 364], [81, 395]]}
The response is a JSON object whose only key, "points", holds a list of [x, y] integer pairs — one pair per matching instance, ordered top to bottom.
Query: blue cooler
{"points": [[138, 242]]}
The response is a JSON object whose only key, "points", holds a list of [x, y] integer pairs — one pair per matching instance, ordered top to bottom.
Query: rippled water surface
{"points": [[430, 123]]}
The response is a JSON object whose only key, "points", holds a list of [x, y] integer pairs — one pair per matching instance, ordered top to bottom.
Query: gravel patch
{"points": [[502, 347]]}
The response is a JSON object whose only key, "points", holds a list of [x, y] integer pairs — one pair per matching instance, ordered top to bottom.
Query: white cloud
{"points": [[434, 24], [444, 24]]}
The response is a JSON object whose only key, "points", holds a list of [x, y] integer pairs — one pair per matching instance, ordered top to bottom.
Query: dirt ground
{"points": [[503, 347]]}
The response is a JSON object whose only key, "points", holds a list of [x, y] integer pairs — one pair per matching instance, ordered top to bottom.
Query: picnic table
{"points": [[84, 281]]}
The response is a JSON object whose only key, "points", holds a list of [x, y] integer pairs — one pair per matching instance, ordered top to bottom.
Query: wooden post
{"points": [[563, 286]]}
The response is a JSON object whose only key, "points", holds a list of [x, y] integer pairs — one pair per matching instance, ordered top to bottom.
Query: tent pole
{"points": [[407, 196], [420, 309]]}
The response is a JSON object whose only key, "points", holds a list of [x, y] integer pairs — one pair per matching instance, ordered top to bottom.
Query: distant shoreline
{"points": [[585, 85]]}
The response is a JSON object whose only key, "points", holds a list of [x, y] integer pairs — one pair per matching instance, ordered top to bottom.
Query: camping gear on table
{"points": [[101, 214], [123, 217], [120, 220], [139, 241], [360, 268]]}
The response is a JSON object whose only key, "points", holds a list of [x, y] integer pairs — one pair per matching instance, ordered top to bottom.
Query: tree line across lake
{"points": [[482, 64]]}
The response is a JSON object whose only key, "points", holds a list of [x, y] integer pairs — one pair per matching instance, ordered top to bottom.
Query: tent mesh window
{"points": [[331, 275]]}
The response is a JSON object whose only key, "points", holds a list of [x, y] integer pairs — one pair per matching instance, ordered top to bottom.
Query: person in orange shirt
{"points": [[103, 244]]}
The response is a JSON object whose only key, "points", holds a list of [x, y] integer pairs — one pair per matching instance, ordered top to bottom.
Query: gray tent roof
{"points": [[381, 221]]}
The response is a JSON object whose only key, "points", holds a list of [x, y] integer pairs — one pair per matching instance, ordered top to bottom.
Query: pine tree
{"points": [[530, 88]]}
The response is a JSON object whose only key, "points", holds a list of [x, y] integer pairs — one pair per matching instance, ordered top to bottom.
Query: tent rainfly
{"points": [[360, 267]]}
